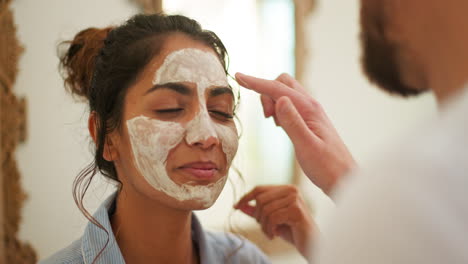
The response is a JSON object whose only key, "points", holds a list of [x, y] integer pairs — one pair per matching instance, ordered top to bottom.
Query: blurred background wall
{"points": [[58, 147]]}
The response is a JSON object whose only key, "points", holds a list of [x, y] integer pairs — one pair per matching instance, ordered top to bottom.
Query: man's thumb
{"points": [[291, 121]]}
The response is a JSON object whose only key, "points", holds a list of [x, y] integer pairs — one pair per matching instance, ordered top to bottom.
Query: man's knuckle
{"points": [[292, 188]]}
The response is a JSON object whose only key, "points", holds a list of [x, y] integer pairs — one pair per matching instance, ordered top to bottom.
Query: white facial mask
{"points": [[152, 139]]}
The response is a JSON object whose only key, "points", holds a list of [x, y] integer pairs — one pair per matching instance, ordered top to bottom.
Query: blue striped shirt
{"points": [[213, 247]]}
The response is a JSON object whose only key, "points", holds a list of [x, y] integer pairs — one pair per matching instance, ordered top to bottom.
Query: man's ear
{"points": [[110, 152]]}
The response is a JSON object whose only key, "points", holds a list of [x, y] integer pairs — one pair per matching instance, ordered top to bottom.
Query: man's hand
{"points": [[319, 149], [281, 211]]}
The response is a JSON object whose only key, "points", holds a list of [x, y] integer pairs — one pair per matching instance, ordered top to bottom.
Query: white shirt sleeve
{"points": [[409, 207]]}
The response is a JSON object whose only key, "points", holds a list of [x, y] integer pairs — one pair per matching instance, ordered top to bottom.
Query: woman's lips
{"points": [[200, 170]]}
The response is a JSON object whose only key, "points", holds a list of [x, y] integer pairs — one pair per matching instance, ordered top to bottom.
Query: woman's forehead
{"points": [[191, 65]]}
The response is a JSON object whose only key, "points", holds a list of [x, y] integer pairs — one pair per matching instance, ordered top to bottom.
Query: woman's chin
{"points": [[195, 204], [202, 205]]}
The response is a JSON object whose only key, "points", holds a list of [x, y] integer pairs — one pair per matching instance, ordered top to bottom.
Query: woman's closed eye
{"points": [[168, 110], [169, 113], [221, 115]]}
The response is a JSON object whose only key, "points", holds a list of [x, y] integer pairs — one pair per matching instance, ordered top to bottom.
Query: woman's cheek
{"points": [[229, 140]]}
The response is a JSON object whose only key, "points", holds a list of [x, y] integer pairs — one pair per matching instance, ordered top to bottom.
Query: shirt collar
{"points": [[94, 239]]}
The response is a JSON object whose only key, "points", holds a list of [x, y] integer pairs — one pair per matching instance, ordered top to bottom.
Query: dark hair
{"points": [[100, 64]]}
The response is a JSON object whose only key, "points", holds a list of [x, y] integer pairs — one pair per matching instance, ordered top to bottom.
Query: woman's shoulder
{"points": [[237, 248], [69, 255]]}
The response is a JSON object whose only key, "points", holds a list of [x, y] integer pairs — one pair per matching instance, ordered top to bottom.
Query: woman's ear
{"points": [[92, 126], [109, 152]]}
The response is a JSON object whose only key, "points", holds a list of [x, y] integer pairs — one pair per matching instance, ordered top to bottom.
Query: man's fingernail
{"points": [[239, 78]]}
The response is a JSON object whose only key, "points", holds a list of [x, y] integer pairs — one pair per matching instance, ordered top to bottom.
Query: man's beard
{"points": [[380, 58]]}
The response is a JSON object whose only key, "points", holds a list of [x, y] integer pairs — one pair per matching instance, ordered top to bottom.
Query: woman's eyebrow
{"points": [[177, 87], [220, 91]]}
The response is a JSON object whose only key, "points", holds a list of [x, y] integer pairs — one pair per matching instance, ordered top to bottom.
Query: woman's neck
{"points": [[148, 232]]}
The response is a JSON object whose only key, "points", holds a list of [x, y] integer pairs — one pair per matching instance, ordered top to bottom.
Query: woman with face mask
{"points": [[161, 118]]}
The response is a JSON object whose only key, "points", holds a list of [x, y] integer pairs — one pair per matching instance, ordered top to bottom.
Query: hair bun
{"points": [[78, 58]]}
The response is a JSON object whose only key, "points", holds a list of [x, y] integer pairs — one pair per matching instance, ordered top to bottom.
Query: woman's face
{"points": [[178, 136]]}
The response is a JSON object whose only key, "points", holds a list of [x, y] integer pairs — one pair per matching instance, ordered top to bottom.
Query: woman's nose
{"points": [[201, 131], [207, 143]]}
